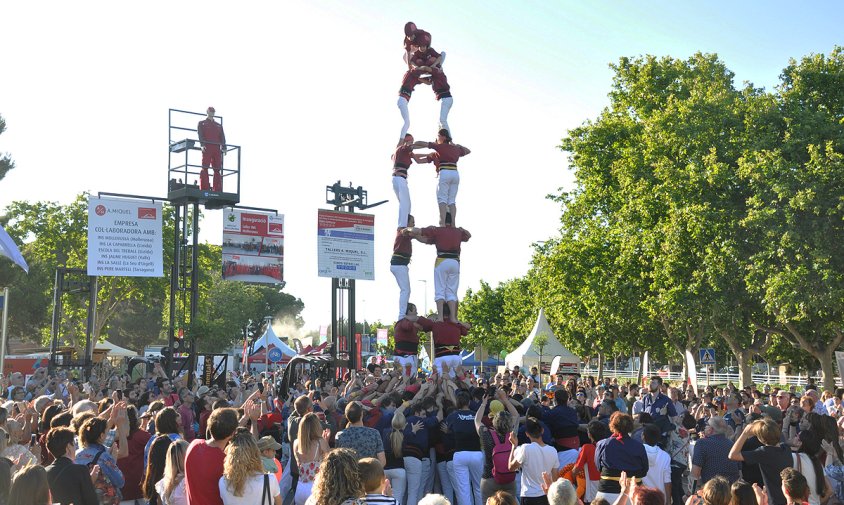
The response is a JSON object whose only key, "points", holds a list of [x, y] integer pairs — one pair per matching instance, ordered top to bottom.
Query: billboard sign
{"points": [[124, 238], [346, 245], [253, 246]]}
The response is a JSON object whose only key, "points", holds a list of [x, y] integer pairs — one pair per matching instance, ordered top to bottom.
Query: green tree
{"points": [[6, 162], [55, 235]]}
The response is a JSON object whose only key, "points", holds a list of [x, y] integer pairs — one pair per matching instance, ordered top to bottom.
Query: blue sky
{"points": [[308, 89]]}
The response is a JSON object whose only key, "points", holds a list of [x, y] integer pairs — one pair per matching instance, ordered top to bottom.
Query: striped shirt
{"points": [[379, 498]]}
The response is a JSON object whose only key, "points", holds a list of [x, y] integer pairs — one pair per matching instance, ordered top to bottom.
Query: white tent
{"points": [[270, 337], [114, 351], [527, 354]]}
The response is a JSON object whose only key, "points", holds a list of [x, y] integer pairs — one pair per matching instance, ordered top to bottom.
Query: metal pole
{"points": [[175, 272], [194, 296], [57, 310], [5, 317], [92, 318], [269, 321]]}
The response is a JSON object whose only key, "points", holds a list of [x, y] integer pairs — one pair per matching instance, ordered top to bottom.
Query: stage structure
{"points": [[186, 196], [76, 282], [343, 341]]}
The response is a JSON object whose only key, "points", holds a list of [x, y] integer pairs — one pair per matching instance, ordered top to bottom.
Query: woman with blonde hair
{"points": [[310, 446], [394, 454], [244, 481], [338, 482], [171, 488]]}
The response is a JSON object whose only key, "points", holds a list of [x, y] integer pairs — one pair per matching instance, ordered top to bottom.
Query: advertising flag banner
{"points": [[124, 238], [346, 245], [253, 246], [382, 337]]}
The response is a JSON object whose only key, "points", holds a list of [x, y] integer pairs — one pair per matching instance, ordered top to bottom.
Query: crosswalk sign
{"points": [[707, 356]]}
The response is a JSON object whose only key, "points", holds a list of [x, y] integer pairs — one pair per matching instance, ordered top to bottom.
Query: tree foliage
{"points": [[6, 162], [701, 211], [133, 311]]}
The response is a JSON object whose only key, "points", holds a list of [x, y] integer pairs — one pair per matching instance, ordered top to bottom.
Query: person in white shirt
{"points": [[639, 405], [533, 459], [659, 462], [244, 481], [171, 488]]}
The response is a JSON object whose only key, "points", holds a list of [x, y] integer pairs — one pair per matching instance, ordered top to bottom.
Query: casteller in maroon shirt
{"points": [[446, 238]]}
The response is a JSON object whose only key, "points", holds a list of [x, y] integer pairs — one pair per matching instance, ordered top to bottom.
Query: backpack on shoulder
{"points": [[501, 459], [106, 492]]}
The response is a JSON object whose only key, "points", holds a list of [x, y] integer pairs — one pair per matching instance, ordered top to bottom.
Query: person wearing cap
{"points": [[423, 60], [213, 142], [445, 156], [447, 239], [268, 447]]}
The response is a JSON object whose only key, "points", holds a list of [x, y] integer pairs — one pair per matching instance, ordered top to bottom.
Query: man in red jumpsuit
{"points": [[213, 142]]}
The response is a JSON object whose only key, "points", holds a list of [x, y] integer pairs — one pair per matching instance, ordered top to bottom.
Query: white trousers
{"points": [[445, 107], [405, 115], [449, 182], [403, 195], [402, 275], [446, 279], [404, 361], [452, 362], [468, 469], [445, 470], [432, 471], [417, 475], [398, 481], [303, 492]]}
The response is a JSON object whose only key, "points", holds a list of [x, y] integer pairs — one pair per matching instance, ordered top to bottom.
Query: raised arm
{"points": [[503, 398], [479, 415], [738, 445]]}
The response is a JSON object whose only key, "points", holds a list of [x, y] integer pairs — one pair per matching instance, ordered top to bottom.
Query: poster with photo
{"points": [[253, 246]]}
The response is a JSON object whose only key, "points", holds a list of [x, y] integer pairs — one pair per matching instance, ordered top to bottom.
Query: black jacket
{"points": [[71, 483]]}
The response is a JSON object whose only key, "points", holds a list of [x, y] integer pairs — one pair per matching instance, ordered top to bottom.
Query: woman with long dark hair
{"points": [[167, 422], [43, 428], [807, 462], [156, 463], [132, 465]]}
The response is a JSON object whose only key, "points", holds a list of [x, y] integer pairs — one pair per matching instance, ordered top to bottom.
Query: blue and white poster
{"points": [[346, 245]]}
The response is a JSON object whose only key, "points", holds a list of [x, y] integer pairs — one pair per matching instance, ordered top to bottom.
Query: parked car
{"points": [[730, 370]]}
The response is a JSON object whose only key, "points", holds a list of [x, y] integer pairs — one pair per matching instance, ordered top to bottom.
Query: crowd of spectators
{"points": [[378, 436]]}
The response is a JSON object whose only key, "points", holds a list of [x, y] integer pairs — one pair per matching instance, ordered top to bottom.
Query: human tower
{"points": [[425, 66]]}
